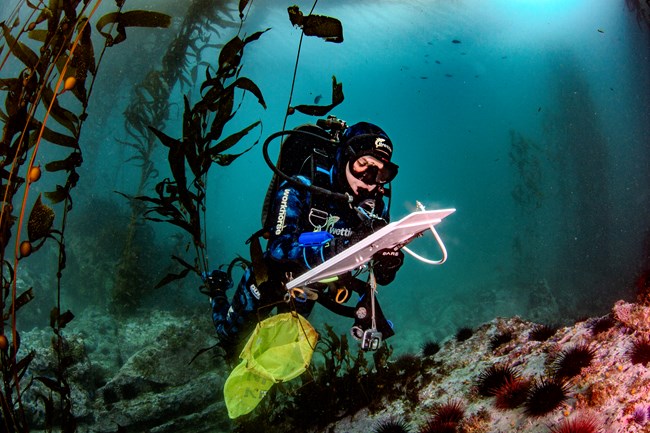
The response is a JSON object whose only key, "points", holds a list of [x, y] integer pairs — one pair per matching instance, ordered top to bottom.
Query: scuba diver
{"points": [[330, 190]]}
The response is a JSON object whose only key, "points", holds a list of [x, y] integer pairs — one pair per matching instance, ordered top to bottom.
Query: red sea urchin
{"points": [[640, 351], [571, 361], [494, 377], [512, 393], [545, 396], [452, 411], [445, 417], [577, 425]]}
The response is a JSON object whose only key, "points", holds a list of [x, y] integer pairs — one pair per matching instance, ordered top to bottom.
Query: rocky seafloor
{"points": [[135, 375]]}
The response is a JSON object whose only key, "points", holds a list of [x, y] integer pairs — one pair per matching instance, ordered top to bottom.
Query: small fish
{"points": [[601, 31], [456, 41], [438, 62], [448, 75], [424, 77], [317, 99], [539, 109]]}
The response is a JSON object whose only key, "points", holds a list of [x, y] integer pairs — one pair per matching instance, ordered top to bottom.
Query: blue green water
{"points": [[570, 77], [534, 126]]}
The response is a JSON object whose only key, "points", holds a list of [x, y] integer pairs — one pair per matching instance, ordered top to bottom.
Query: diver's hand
{"points": [[336, 246], [386, 263], [215, 283]]}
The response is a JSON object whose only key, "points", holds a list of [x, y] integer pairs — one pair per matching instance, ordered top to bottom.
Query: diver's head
{"points": [[365, 158]]}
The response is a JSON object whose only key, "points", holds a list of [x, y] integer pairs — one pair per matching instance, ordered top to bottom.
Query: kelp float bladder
{"points": [[279, 350]]}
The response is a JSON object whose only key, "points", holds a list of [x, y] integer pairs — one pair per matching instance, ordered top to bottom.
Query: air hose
{"points": [[292, 180]]}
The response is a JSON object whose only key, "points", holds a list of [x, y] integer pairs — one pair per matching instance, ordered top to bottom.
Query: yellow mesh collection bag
{"points": [[280, 349]]}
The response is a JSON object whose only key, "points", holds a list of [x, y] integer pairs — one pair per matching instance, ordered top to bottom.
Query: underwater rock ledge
{"points": [[133, 376], [612, 393]]}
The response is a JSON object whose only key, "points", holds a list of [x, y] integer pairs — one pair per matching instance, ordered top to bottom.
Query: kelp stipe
{"points": [[61, 64]]}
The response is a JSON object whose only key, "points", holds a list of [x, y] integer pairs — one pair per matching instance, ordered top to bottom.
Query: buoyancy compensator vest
{"points": [[310, 151]]}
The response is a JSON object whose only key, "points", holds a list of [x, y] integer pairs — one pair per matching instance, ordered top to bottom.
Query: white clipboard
{"points": [[396, 233]]}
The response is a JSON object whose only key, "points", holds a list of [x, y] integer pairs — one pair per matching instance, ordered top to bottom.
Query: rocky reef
{"points": [[600, 367], [135, 375], [141, 375]]}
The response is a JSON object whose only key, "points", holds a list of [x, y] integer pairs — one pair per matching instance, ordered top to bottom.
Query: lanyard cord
{"points": [[295, 72], [373, 289]]}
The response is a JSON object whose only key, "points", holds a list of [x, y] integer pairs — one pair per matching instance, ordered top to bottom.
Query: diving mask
{"points": [[372, 171]]}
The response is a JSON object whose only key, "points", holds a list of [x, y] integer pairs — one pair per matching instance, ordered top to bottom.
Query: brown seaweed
{"points": [[328, 28], [54, 54], [322, 110], [180, 201]]}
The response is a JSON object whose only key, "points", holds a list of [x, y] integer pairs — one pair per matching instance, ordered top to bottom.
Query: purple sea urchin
{"points": [[602, 324], [542, 332], [464, 334], [500, 339], [430, 348], [640, 351], [571, 361], [407, 362], [494, 377], [512, 393], [545, 396], [640, 414], [581, 424], [397, 425]]}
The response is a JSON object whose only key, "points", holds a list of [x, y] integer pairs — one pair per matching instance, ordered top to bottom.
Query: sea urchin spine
{"points": [[542, 332], [640, 352], [577, 425], [393, 426]]}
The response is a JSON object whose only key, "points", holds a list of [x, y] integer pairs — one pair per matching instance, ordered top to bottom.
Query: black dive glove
{"points": [[386, 263], [215, 283]]}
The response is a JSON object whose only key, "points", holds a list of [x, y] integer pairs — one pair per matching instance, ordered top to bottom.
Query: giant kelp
{"points": [[54, 55], [55, 85], [149, 107], [180, 199]]}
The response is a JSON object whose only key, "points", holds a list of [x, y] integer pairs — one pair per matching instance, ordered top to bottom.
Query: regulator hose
{"points": [[292, 180]]}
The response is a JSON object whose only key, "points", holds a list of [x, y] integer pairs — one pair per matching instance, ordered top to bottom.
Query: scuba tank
{"points": [[309, 150]]}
